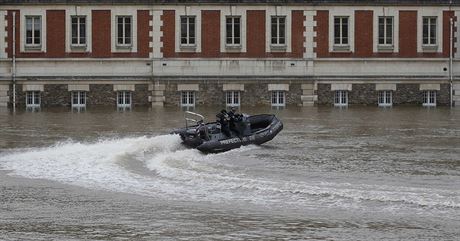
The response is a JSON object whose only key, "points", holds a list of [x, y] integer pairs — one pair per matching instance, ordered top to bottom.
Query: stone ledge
{"points": [[307, 86], [4, 87], [32, 87], [78, 87], [123, 87], [153, 87], [188, 87], [235, 87], [275, 87], [335, 87], [385, 87], [430, 87], [157, 92], [308, 98], [308, 103], [158, 104]]}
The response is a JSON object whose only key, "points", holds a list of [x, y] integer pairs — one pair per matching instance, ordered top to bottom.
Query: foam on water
{"points": [[187, 174]]}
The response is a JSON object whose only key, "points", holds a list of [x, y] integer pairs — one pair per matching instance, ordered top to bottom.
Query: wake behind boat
{"points": [[228, 132]]}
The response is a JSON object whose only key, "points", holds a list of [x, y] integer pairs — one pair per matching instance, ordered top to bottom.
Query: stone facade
{"points": [[255, 93], [101, 94], [364, 94], [407, 94], [55, 95], [141, 95], [325, 95], [443, 95]]}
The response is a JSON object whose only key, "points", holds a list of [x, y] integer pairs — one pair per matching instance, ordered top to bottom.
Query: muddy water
{"points": [[361, 173]]}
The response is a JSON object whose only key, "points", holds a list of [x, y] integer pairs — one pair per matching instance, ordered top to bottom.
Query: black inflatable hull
{"points": [[271, 126]]}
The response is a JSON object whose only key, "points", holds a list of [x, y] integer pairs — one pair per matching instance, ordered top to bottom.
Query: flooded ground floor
{"points": [[258, 92], [359, 173]]}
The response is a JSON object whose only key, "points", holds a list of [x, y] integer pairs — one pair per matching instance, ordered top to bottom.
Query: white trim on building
{"points": [[78, 11], [123, 11], [188, 11], [229, 11], [278, 11], [32, 12], [342, 12], [386, 12], [430, 12]]}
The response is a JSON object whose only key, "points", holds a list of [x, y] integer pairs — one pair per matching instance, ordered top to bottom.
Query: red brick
{"points": [[447, 15], [143, 31], [55, 33], [101, 33], [210, 33], [255, 33], [322, 33], [363, 33], [408, 33], [297, 38], [168, 39]]}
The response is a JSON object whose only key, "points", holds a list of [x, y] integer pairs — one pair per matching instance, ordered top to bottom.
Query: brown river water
{"points": [[360, 173]]}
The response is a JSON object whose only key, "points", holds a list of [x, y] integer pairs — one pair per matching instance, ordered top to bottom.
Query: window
{"points": [[187, 29], [78, 30], [124, 30], [233, 30], [278, 30], [341, 30], [385, 30], [33, 31], [429, 31], [187, 98], [233, 98], [278, 98], [341, 98], [385, 98], [429, 98], [33, 99], [78, 99], [124, 99]]}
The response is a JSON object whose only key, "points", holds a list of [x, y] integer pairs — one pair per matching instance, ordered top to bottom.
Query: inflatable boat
{"points": [[224, 135]]}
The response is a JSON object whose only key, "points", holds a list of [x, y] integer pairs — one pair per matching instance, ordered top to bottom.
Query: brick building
{"points": [[208, 52]]}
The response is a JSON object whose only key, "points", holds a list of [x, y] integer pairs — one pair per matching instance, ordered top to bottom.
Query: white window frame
{"points": [[33, 18], [232, 25], [385, 26], [429, 27], [341, 32], [78, 36], [124, 37], [188, 38], [275, 38], [35, 97], [80, 97], [123, 97], [187, 98], [233, 98], [278, 98], [341, 98], [385, 98], [429, 98]]}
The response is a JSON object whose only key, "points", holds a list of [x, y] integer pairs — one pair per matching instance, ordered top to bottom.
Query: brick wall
{"points": [[101, 33], [364, 33]]}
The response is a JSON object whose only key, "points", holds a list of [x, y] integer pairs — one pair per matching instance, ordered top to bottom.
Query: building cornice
{"points": [[239, 2]]}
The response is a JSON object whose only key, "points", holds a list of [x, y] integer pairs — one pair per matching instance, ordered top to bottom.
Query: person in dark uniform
{"points": [[223, 118], [234, 122], [203, 131]]}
